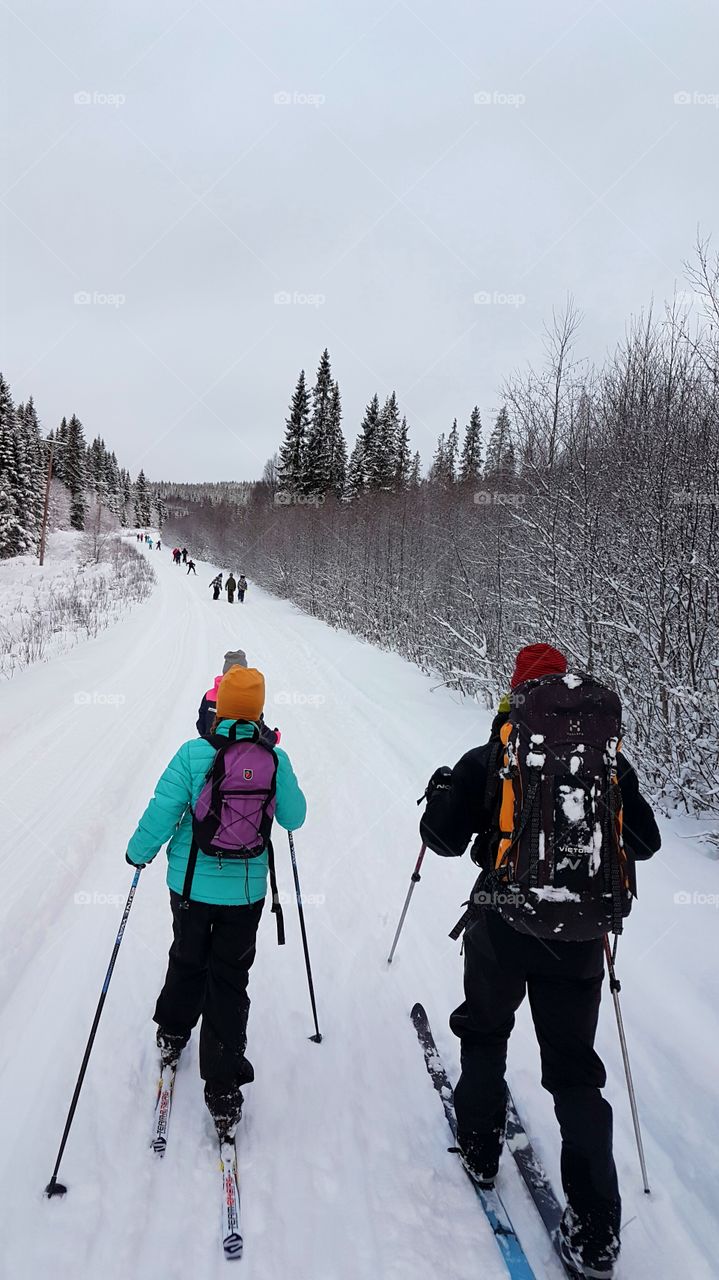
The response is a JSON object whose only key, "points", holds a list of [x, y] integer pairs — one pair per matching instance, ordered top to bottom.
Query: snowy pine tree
{"points": [[336, 445], [500, 451], [452, 454], [318, 455], [363, 456], [403, 460], [58, 465], [470, 465], [291, 467], [438, 469], [74, 471], [415, 472], [354, 484], [125, 499], [143, 502], [160, 509], [11, 526], [11, 531]]}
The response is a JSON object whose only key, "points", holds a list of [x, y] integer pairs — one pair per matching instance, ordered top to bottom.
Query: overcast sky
{"points": [[418, 155]]}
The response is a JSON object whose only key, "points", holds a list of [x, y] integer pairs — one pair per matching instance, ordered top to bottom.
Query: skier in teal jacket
{"points": [[215, 930]]}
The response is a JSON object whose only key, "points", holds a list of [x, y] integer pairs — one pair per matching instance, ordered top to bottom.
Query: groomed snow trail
{"points": [[343, 1158]]}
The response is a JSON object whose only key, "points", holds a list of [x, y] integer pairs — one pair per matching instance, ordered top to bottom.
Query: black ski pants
{"points": [[209, 966], [564, 983]]}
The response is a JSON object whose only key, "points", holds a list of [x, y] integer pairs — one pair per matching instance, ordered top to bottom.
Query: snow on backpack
{"points": [[232, 818], [560, 869]]}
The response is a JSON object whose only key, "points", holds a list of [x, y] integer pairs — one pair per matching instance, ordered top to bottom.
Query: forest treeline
{"points": [[94, 487], [592, 522]]}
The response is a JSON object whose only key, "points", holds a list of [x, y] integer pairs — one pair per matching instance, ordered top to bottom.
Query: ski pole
{"points": [[415, 879], [615, 987], [317, 1037], [55, 1188]]}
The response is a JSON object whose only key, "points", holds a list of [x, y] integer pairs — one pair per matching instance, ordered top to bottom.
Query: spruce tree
{"points": [[336, 445], [366, 446], [293, 449], [500, 451], [452, 455], [318, 456], [403, 461], [58, 465], [382, 466], [470, 466], [438, 469], [75, 472], [415, 472], [354, 485], [125, 498], [143, 507], [160, 509], [11, 531]]}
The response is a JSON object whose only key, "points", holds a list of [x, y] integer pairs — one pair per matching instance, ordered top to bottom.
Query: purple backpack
{"points": [[233, 814]]}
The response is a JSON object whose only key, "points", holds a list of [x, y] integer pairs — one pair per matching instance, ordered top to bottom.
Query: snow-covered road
{"points": [[343, 1158]]}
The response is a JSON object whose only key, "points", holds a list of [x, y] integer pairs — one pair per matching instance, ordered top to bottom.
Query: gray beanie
{"points": [[234, 658]]}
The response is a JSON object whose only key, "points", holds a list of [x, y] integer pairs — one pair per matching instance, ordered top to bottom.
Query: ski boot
{"points": [[589, 1241]]}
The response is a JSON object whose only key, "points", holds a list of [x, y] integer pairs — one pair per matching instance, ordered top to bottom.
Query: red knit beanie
{"points": [[537, 660]]}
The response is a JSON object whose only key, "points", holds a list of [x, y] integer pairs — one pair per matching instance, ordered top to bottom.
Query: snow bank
{"points": [[85, 585]]}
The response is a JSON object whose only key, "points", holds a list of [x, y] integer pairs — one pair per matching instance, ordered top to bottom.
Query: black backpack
{"points": [[558, 868]]}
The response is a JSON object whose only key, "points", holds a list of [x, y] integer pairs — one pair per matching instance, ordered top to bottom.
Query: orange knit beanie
{"points": [[241, 694]]}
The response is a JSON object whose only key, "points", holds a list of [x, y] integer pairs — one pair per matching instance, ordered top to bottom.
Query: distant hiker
{"points": [[137, 537], [149, 542], [159, 545], [177, 555], [184, 555], [191, 567], [216, 585], [242, 587], [230, 588], [208, 706], [559, 822], [217, 901]]}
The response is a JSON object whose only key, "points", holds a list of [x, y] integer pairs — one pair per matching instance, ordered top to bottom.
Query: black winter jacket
{"points": [[466, 808]]}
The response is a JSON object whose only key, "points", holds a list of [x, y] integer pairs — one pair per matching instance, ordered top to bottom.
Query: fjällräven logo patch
{"points": [[248, 774]]}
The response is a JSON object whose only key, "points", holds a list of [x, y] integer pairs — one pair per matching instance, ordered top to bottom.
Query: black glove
{"points": [[441, 780], [130, 863]]}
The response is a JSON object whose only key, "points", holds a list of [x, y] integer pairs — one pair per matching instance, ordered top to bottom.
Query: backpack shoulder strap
{"points": [[276, 904]]}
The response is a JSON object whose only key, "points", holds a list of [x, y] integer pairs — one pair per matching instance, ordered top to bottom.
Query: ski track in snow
{"points": [[342, 1149]]}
